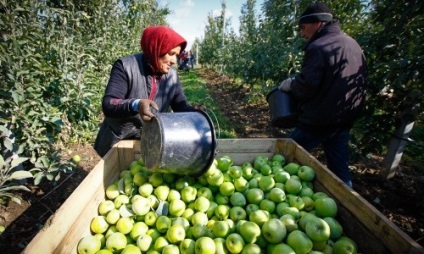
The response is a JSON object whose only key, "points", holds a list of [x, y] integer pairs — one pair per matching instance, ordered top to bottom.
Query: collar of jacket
{"points": [[327, 28]]}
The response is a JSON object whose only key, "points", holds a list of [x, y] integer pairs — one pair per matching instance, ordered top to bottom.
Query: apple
{"points": [[279, 158], [76, 159], [259, 161], [224, 163], [292, 168], [265, 170], [247, 171], [235, 172], [306, 173], [281, 176], [156, 179], [216, 179], [253, 183], [266, 183], [241, 184], [293, 186], [227, 188], [146, 189], [112, 191], [161, 192], [205, 192], [306, 192], [188, 194], [255, 195], [277, 195], [318, 195], [122, 199], [221, 199], [238, 199], [153, 201], [297, 202], [309, 203], [201, 204], [267, 205], [106, 206], [141, 206], [177, 207], [326, 207], [251, 208], [211, 210], [291, 210], [222, 211], [188, 213], [237, 213], [113, 216], [259, 217], [150, 218], [199, 218], [304, 219], [180, 221], [289, 222], [163, 223], [99, 225], [124, 225], [139, 228], [221, 228], [336, 228], [112, 229], [199, 230], [274, 230], [318, 230], [250, 231], [154, 233], [175, 234], [116, 242], [299, 242], [160, 243], [234, 243], [88, 245], [205, 245], [345, 245], [187, 246], [220, 247], [251, 248], [283, 248], [131, 249], [171, 249]]}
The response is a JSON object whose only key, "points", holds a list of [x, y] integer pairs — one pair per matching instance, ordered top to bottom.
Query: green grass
{"points": [[197, 93]]}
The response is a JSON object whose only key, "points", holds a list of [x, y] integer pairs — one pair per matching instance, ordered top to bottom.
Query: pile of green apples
{"points": [[266, 205]]}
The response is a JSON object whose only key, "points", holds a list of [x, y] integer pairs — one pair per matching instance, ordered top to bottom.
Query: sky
{"points": [[189, 17]]}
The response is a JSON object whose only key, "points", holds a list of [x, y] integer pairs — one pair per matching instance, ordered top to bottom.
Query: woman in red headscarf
{"points": [[139, 83]]}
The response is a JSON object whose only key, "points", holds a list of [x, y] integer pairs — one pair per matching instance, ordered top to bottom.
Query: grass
{"points": [[197, 93]]}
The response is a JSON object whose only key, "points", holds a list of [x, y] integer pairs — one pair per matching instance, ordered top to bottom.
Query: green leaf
{"points": [[18, 161], [19, 175]]}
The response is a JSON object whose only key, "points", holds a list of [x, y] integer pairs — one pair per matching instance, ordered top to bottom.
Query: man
{"points": [[330, 88]]}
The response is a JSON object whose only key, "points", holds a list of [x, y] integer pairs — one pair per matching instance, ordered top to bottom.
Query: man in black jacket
{"points": [[330, 88]]}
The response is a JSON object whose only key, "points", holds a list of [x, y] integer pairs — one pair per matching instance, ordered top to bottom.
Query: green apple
{"points": [[279, 158], [76, 159], [259, 161], [224, 163], [292, 168], [265, 169], [247, 171], [235, 172], [306, 173], [281, 176], [140, 178], [156, 179], [216, 179], [253, 183], [266, 183], [241, 184], [293, 186], [227, 188], [146, 189], [112, 191], [161, 192], [205, 192], [306, 192], [188, 194], [173, 195], [255, 195], [277, 195], [318, 195], [221, 199], [238, 199], [120, 200], [153, 202], [297, 202], [309, 203], [202, 204], [267, 205], [106, 206], [141, 206], [177, 207], [326, 207], [250, 208], [279, 208], [290, 210], [211, 211], [222, 211], [188, 213], [237, 213], [113, 216], [151, 217], [259, 217], [199, 218], [304, 219], [289, 222], [163, 223], [99, 225], [124, 225], [139, 228], [336, 228], [112, 229], [221, 229], [199, 230], [274, 230], [318, 230], [250, 231], [154, 233], [176, 234], [116, 242], [299, 242], [160, 243], [234, 243], [88, 245], [205, 245], [345, 245], [187, 246], [220, 246], [251, 248], [283, 248], [131, 249], [171, 249]]}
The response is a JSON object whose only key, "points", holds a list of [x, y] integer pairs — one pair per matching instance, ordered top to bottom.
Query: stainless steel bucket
{"points": [[283, 109], [180, 143]]}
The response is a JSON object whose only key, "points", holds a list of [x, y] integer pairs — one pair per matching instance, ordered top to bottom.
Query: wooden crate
{"points": [[371, 230]]}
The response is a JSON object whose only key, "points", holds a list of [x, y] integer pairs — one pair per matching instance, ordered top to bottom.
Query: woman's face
{"points": [[169, 59]]}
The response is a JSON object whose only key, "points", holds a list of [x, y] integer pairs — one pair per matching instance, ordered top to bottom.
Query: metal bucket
{"points": [[283, 109], [179, 143]]}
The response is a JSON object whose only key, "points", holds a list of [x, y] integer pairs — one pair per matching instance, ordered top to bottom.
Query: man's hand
{"points": [[286, 85], [144, 109]]}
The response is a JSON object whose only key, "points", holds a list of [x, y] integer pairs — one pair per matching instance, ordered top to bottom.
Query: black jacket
{"points": [[330, 87]]}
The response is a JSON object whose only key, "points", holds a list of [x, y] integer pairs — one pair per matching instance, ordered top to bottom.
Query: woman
{"points": [[139, 83]]}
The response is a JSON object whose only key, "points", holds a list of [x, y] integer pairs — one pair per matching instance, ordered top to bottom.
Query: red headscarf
{"points": [[156, 41]]}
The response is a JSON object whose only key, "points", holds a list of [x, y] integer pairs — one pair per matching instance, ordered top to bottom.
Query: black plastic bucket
{"points": [[283, 109], [179, 143]]}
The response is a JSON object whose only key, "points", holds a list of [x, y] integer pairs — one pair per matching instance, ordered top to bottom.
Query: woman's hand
{"points": [[144, 109]]}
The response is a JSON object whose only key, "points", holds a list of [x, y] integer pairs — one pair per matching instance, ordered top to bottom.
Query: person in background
{"points": [[192, 59], [184, 61], [139, 83], [330, 88]]}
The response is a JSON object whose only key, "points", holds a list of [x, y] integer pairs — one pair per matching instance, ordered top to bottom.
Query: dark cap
{"points": [[316, 12]]}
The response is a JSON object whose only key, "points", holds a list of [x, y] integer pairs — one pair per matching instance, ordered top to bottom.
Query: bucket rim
{"points": [[213, 143]]}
